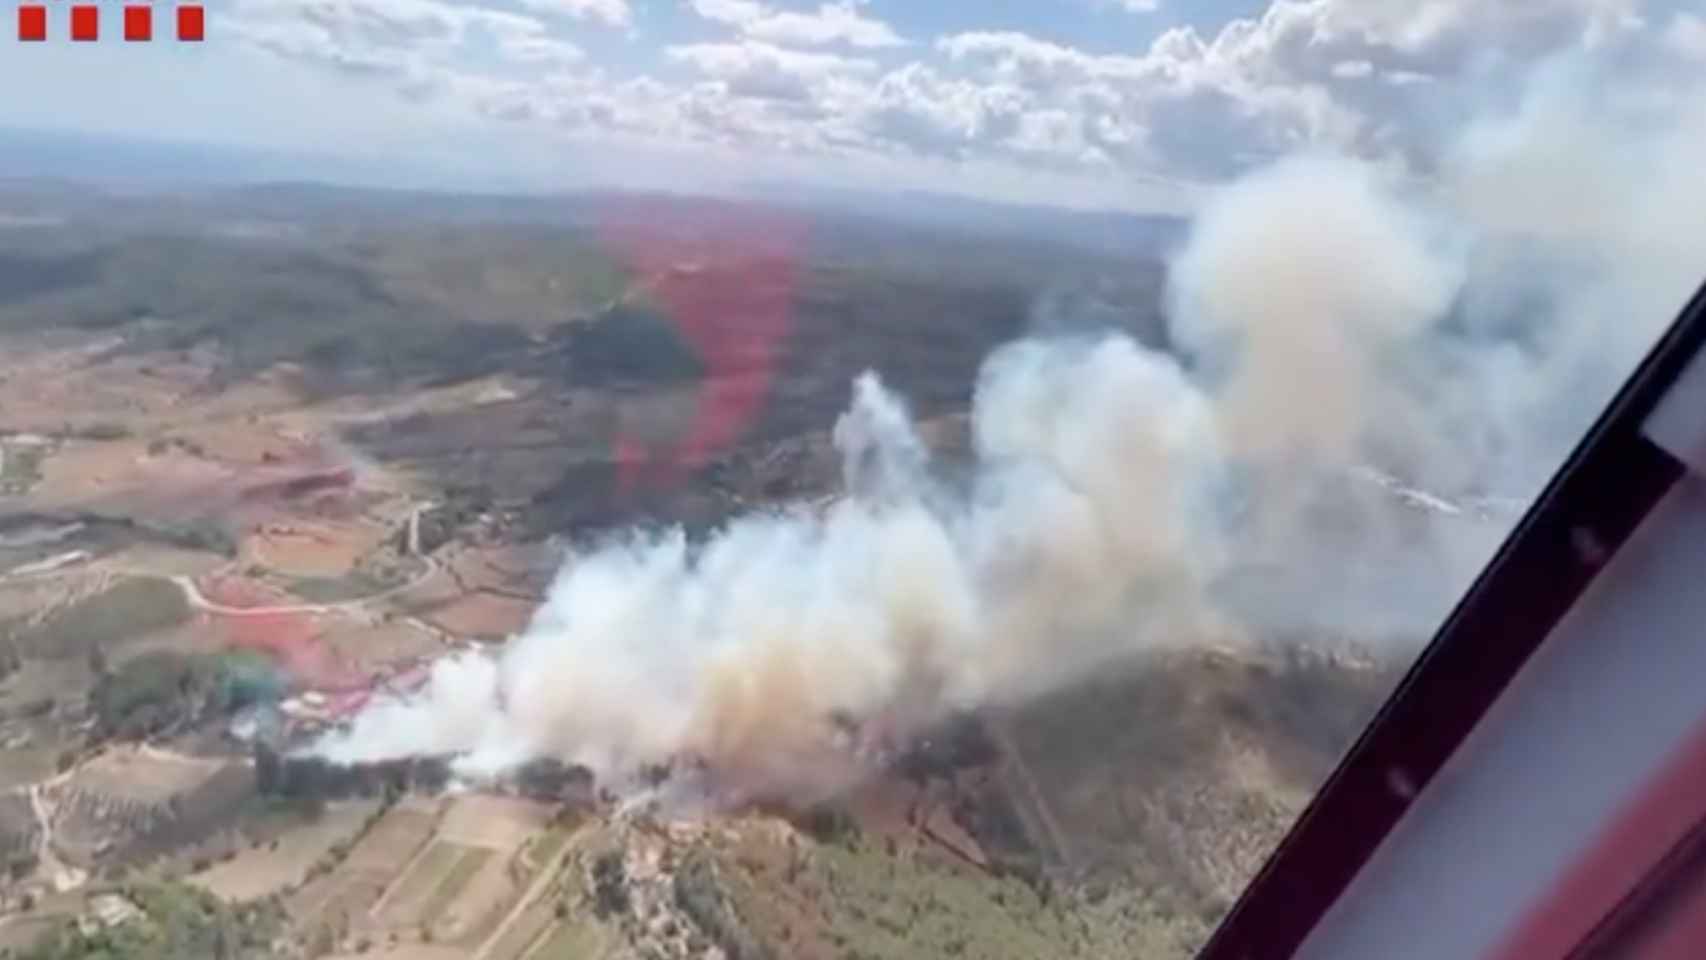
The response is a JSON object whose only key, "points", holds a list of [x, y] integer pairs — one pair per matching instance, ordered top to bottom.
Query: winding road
{"points": [[199, 600], [62, 875]]}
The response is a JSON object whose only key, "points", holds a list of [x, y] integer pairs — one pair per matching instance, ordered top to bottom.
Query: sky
{"points": [[1093, 103]]}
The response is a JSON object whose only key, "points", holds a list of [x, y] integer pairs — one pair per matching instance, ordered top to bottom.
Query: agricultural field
{"points": [[105, 620], [127, 805], [285, 861], [446, 877], [336, 903]]}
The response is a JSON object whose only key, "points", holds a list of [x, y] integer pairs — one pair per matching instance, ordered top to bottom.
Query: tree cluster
{"points": [[157, 693], [315, 779], [177, 921]]}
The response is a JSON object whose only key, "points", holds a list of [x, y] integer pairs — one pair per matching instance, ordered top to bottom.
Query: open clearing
{"points": [[307, 549], [124, 611], [482, 614], [369, 649], [21, 767], [142, 774], [133, 804], [501, 823], [541, 850], [284, 862], [450, 873], [470, 876], [342, 899], [404, 904], [459, 905], [19, 932], [525, 932], [573, 940], [405, 951]]}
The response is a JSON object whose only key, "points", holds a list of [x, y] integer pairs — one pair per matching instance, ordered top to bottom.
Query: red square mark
{"points": [[85, 22], [190, 22], [32, 23], [138, 23]]}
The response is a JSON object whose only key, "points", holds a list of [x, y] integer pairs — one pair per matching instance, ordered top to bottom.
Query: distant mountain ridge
{"points": [[58, 166], [1106, 230]]}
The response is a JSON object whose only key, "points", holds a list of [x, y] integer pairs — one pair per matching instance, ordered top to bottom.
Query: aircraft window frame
{"points": [[1607, 485]]}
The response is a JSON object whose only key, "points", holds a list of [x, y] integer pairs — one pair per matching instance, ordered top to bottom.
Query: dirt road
{"points": [[198, 600], [62, 875]]}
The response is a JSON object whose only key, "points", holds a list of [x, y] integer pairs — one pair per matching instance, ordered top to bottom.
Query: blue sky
{"points": [[1087, 102]]}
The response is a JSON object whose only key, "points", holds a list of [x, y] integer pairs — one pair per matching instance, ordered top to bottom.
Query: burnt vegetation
{"points": [[961, 743], [314, 780]]}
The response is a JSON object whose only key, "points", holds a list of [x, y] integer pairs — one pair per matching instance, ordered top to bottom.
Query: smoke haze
{"points": [[1362, 362]]}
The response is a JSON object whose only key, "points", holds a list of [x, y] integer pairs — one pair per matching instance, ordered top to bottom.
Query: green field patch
{"points": [[20, 468], [355, 585], [128, 609], [544, 849], [468, 863], [424, 877], [525, 931], [573, 940]]}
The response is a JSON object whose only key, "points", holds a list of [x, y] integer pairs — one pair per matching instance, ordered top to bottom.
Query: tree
{"points": [[10, 661], [97, 661], [153, 693], [269, 772], [21, 865], [610, 884], [180, 922]]}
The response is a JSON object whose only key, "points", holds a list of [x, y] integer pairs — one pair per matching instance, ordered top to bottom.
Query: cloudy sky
{"points": [[1092, 102]]}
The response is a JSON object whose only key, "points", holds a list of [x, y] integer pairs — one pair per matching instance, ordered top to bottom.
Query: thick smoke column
{"points": [[1342, 336], [894, 605]]}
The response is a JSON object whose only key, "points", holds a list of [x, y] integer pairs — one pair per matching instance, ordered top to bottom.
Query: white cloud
{"points": [[1140, 6], [732, 12], [616, 13], [839, 22], [377, 35], [1686, 35], [308, 42], [541, 50], [1022, 58], [760, 70], [1379, 77], [1405, 78], [1178, 100], [1208, 105], [919, 110]]}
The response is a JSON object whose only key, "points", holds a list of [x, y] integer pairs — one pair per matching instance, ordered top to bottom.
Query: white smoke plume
{"points": [[1359, 360]]}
